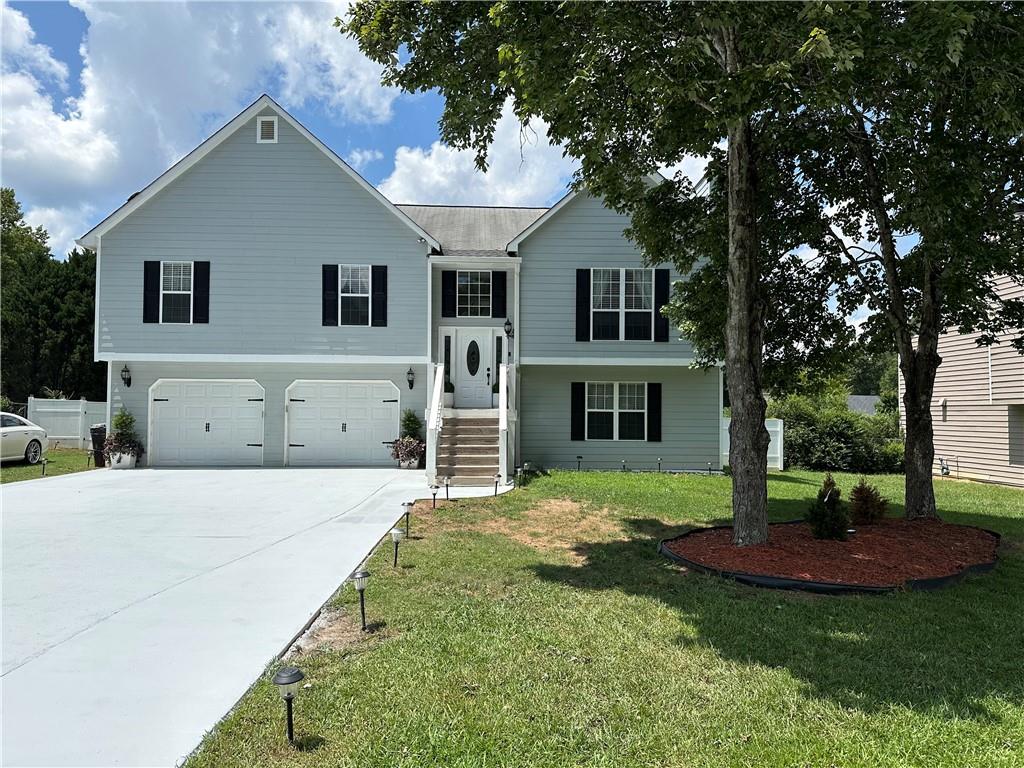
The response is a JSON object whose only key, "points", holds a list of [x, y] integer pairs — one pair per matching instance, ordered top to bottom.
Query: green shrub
{"points": [[5, 403], [123, 423], [411, 424], [122, 438], [892, 455], [866, 504], [827, 516]]}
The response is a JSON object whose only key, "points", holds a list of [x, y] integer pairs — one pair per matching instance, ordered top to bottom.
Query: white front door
{"points": [[473, 368], [206, 422], [341, 423]]}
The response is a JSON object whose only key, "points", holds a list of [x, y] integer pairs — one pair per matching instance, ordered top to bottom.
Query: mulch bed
{"points": [[890, 554]]}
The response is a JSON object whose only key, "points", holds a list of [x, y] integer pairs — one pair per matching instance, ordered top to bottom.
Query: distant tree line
{"points": [[46, 314]]}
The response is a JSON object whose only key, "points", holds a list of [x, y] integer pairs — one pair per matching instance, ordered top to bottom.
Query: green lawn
{"points": [[60, 461], [542, 629]]}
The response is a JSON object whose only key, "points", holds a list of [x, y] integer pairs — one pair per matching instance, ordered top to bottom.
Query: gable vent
{"points": [[266, 130]]}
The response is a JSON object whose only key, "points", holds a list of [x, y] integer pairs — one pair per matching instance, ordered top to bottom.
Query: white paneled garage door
{"points": [[206, 422], [341, 423]]}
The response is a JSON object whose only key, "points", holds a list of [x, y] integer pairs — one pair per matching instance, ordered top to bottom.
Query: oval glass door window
{"points": [[473, 358]]}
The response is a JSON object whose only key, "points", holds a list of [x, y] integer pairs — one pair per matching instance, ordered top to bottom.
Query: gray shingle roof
{"points": [[467, 230]]}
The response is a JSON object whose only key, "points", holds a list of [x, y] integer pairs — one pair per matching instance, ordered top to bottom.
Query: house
{"points": [[262, 304], [978, 406]]}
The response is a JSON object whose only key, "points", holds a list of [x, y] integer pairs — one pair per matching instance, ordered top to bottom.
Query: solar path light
{"points": [[407, 506], [397, 534], [359, 579], [287, 681]]}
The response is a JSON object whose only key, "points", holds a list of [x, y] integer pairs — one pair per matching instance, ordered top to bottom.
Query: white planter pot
{"points": [[494, 399], [448, 400], [122, 461], [410, 464]]}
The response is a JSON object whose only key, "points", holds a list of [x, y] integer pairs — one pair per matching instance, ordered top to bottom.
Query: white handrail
{"points": [[435, 418], [503, 422]]}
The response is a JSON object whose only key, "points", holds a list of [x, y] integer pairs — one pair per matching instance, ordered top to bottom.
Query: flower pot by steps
{"points": [[448, 400], [122, 460], [410, 464]]}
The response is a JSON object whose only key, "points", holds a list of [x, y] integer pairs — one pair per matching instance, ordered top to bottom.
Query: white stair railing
{"points": [[503, 408], [435, 422]]}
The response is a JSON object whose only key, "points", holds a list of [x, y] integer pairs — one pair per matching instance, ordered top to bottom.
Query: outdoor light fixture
{"points": [[509, 334], [126, 376], [410, 376], [579, 463], [659, 463], [623, 465], [709, 468], [519, 474], [497, 479], [447, 482], [434, 489], [408, 508], [397, 534], [359, 579], [287, 681]]}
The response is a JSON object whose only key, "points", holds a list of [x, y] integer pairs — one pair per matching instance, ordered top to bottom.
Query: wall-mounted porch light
{"points": [[126, 376], [410, 376]]}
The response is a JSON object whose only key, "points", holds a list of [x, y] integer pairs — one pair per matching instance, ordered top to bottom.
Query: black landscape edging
{"points": [[823, 587]]}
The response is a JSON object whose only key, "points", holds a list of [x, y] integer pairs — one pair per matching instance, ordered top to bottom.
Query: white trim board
{"points": [[90, 238], [156, 357], [639, 362]]}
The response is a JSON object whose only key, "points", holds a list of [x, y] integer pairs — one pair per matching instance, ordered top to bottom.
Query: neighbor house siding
{"points": [[266, 217], [582, 235], [273, 377], [689, 426], [979, 430]]}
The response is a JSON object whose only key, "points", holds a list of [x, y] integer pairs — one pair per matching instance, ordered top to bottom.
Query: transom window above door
{"points": [[176, 292], [474, 293], [353, 295], [622, 304]]}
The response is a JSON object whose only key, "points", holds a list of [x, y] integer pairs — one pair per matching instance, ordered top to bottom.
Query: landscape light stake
{"points": [[579, 463], [659, 463], [623, 465], [709, 469], [519, 474], [497, 478], [447, 482], [433, 491], [407, 505], [397, 534], [359, 579], [287, 681]]}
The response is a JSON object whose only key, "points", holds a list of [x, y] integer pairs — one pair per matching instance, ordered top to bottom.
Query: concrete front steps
{"points": [[467, 450]]}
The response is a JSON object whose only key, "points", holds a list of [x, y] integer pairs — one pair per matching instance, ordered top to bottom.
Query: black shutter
{"points": [[499, 281], [151, 292], [201, 292], [448, 292], [379, 300], [660, 300], [582, 306], [329, 313], [497, 353], [653, 412], [578, 418]]}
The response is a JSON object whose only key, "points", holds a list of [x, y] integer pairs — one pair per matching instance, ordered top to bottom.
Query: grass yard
{"points": [[60, 461], [541, 628]]}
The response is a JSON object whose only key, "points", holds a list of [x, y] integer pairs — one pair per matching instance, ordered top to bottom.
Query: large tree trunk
{"points": [[919, 367], [748, 437]]}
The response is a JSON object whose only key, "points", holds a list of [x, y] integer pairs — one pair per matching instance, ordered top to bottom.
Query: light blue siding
{"points": [[266, 217], [582, 235], [274, 377], [689, 424]]}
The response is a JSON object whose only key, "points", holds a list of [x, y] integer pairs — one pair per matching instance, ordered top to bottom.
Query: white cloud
{"points": [[157, 79], [360, 158], [691, 166], [523, 169], [63, 225]]}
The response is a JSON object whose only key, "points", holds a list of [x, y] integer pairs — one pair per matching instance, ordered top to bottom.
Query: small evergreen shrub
{"points": [[5, 403], [411, 424], [122, 438], [866, 504], [827, 517]]}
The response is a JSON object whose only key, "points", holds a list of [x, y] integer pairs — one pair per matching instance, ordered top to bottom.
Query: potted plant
{"points": [[449, 394], [494, 395], [122, 447], [408, 451]]}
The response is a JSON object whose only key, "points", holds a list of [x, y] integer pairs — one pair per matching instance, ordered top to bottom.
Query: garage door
{"points": [[206, 422], [341, 423]]}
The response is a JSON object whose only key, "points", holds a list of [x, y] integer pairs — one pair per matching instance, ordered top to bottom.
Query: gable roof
{"points": [[472, 230], [89, 239]]}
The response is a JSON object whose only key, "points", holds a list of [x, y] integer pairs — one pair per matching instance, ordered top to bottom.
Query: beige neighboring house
{"points": [[978, 406]]}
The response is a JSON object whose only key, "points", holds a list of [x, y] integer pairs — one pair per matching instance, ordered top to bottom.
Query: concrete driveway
{"points": [[139, 606]]}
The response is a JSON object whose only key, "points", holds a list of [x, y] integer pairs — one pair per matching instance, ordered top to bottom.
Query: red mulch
{"points": [[887, 554]]}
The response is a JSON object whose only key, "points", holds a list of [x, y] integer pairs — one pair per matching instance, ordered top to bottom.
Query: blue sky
{"points": [[100, 98]]}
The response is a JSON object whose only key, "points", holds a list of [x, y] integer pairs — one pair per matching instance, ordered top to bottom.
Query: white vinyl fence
{"points": [[66, 421], [775, 432]]}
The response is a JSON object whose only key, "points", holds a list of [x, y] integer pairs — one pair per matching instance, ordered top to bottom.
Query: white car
{"points": [[20, 439]]}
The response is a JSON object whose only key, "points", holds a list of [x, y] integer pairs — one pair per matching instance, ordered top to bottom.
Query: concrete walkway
{"points": [[139, 606]]}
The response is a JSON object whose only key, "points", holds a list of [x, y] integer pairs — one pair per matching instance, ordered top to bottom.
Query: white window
{"points": [[266, 130], [176, 292], [474, 294], [353, 295], [622, 304], [616, 410]]}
